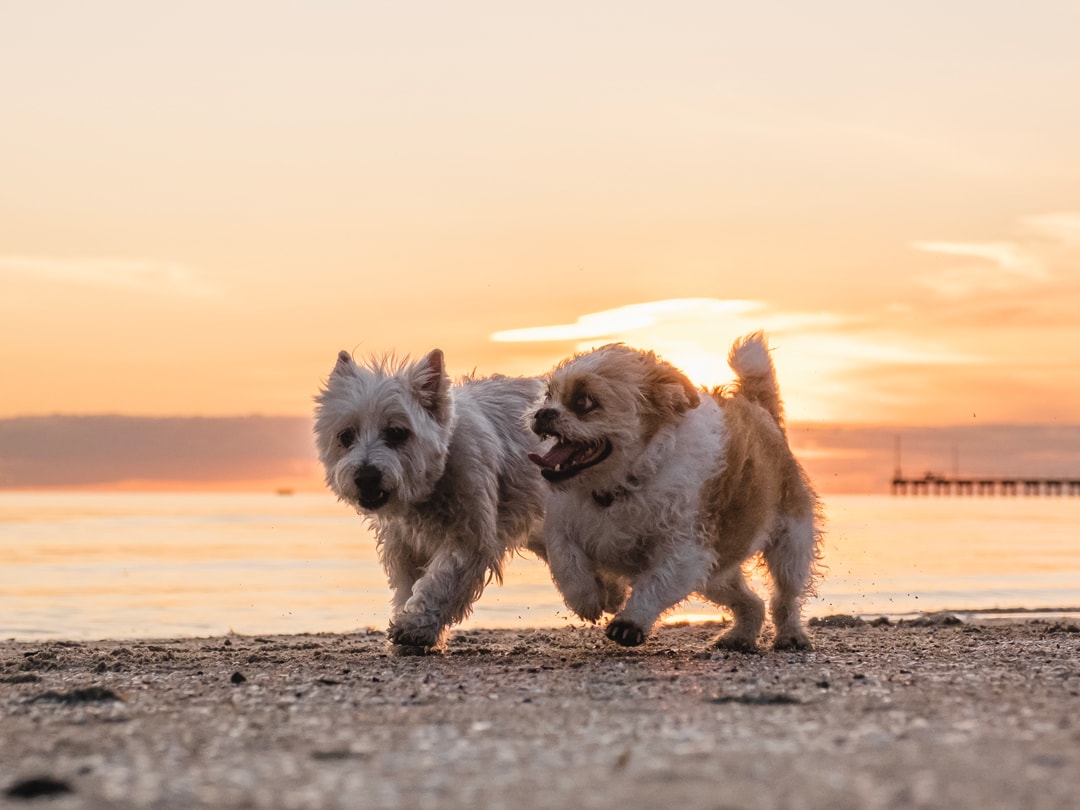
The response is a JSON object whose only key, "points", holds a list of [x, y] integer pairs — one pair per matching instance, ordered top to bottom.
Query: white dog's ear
{"points": [[345, 364], [431, 386], [669, 392]]}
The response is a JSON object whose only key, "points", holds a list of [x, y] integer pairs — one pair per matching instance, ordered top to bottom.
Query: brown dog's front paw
{"points": [[625, 633], [793, 642]]}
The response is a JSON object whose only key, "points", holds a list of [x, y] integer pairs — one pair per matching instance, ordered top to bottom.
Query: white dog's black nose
{"points": [[368, 478], [369, 488]]}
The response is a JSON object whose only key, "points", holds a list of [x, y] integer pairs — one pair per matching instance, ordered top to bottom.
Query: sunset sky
{"points": [[202, 202]]}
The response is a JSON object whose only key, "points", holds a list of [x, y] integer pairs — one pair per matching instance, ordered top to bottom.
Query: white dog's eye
{"points": [[396, 436], [347, 437]]}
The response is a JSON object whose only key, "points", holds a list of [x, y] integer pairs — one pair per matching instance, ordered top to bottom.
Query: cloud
{"points": [[1063, 228], [1010, 258], [1001, 266], [998, 267], [139, 275], [1003, 304], [675, 315], [611, 322], [711, 324], [817, 354], [76, 451]]}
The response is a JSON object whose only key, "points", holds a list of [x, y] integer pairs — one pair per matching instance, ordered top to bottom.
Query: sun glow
{"points": [[817, 354]]}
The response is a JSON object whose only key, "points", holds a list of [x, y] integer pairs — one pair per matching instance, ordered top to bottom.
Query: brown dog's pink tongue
{"points": [[561, 453]]}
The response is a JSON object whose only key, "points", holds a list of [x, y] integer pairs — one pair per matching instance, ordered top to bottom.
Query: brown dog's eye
{"points": [[583, 403], [396, 436], [347, 437]]}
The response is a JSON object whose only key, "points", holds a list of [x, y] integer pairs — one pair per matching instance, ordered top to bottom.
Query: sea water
{"points": [[118, 565]]}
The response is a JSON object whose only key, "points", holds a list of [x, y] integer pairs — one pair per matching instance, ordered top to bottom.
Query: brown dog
{"points": [[660, 490]]}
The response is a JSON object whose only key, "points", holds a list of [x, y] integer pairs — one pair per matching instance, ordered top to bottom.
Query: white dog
{"points": [[441, 471], [666, 491]]}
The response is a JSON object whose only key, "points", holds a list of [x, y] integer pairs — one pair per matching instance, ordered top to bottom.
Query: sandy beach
{"points": [[925, 713]]}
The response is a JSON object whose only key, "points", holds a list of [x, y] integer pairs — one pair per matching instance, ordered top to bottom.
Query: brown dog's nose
{"points": [[543, 419]]}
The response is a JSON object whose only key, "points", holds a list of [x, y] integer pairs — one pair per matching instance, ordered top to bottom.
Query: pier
{"points": [[933, 484]]}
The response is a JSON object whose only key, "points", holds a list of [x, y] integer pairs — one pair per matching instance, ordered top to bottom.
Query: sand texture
{"points": [[917, 714]]}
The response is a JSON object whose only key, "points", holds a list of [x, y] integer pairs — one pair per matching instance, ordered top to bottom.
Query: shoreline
{"points": [[967, 615], [931, 712]]}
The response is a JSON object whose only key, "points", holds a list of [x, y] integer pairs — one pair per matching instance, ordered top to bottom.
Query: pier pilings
{"points": [[945, 485]]}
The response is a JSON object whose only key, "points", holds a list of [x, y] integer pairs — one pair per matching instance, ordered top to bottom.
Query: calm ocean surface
{"points": [[93, 566]]}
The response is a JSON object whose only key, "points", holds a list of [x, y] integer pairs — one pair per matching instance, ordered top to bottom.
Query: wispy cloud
{"points": [[1063, 228], [999, 266], [1006, 266], [140, 275], [674, 315], [629, 318]]}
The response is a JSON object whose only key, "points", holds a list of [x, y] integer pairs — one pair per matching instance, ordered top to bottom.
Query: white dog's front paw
{"points": [[415, 630]]}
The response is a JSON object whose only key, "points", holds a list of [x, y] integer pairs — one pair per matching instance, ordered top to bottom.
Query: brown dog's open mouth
{"points": [[566, 459]]}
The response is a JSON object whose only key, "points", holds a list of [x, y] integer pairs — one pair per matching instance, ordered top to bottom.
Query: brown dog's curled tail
{"points": [[749, 359]]}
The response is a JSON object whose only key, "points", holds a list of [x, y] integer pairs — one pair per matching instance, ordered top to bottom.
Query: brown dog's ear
{"points": [[431, 385], [669, 392]]}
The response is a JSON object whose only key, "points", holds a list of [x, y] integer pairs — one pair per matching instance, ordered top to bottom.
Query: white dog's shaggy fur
{"points": [[441, 471], [662, 490]]}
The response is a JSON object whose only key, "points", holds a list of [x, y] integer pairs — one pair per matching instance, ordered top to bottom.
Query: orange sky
{"points": [[201, 203]]}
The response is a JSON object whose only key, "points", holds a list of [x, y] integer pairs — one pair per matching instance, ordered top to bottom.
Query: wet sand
{"points": [[930, 713]]}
